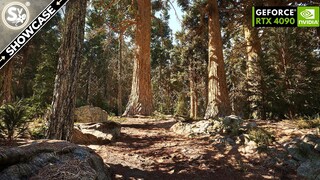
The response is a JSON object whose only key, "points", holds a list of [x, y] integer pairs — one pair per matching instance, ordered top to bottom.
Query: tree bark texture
{"points": [[254, 79], [6, 89], [193, 92], [218, 97], [119, 98], [140, 100], [61, 119]]}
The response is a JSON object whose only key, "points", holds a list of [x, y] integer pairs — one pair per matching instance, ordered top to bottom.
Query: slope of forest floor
{"points": [[148, 149]]}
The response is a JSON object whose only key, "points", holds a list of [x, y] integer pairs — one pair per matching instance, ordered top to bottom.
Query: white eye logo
{"points": [[308, 14], [15, 15]]}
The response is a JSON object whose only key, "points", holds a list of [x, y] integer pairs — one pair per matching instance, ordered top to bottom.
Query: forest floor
{"points": [[147, 149]]}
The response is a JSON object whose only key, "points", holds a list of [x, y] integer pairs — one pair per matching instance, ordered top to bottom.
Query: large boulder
{"points": [[90, 114], [96, 133], [304, 148], [305, 151], [51, 160]]}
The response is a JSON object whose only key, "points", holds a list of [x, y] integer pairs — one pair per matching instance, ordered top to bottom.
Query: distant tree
{"points": [[161, 46], [254, 77], [6, 89], [62, 113]]}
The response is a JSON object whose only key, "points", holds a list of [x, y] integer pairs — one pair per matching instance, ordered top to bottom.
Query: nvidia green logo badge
{"points": [[308, 16]]}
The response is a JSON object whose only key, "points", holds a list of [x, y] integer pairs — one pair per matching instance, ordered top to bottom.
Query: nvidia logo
{"points": [[308, 14]]}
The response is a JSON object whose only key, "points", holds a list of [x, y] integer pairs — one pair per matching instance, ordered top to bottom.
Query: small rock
{"points": [[251, 125], [310, 139], [230, 141], [251, 147], [317, 147], [184, 171], [171, 172]]}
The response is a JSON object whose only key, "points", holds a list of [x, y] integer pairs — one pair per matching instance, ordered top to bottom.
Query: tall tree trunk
{"points": [[253, 71], [254, 78], [160, 89], [6, 90], [193, 93], [218, 97], [119, 98], [140, 100], [62, 112]]}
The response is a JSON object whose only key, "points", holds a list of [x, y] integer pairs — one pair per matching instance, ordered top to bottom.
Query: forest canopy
{"points": [[130, 62]]}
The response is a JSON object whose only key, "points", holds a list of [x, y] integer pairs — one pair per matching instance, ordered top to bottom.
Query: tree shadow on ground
{"points": [[150, 126], [136, 142], [164, 155], [180, 169]]}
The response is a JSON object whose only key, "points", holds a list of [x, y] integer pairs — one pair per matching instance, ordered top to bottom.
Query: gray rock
{"points": [[90, 114], [232, 119], [229, 124], [232, 124], [251, 125], [198, 127], [181, 128], [96, 133], [310, 139], [230, 141], [304, 149], [297, 154], [52, 160], [309, 170]]}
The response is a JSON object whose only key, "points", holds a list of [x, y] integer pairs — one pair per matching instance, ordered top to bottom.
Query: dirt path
{"points": [[149, 150]]}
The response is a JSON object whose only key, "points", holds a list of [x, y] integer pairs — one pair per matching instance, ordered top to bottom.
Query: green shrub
{"points": [[181, 107], [13, 120], [307, 123], [38, 129], [261, 136]]}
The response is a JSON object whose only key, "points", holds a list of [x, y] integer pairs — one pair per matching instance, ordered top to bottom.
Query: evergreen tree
{"points": [[140, 100]]}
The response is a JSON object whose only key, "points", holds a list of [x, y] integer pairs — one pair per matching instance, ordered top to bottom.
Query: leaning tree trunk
{"points": [[218, 97], [140, 100], [61, 118]]}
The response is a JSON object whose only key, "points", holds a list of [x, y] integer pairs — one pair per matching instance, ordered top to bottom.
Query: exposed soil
{"points": [[147, 149]]}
